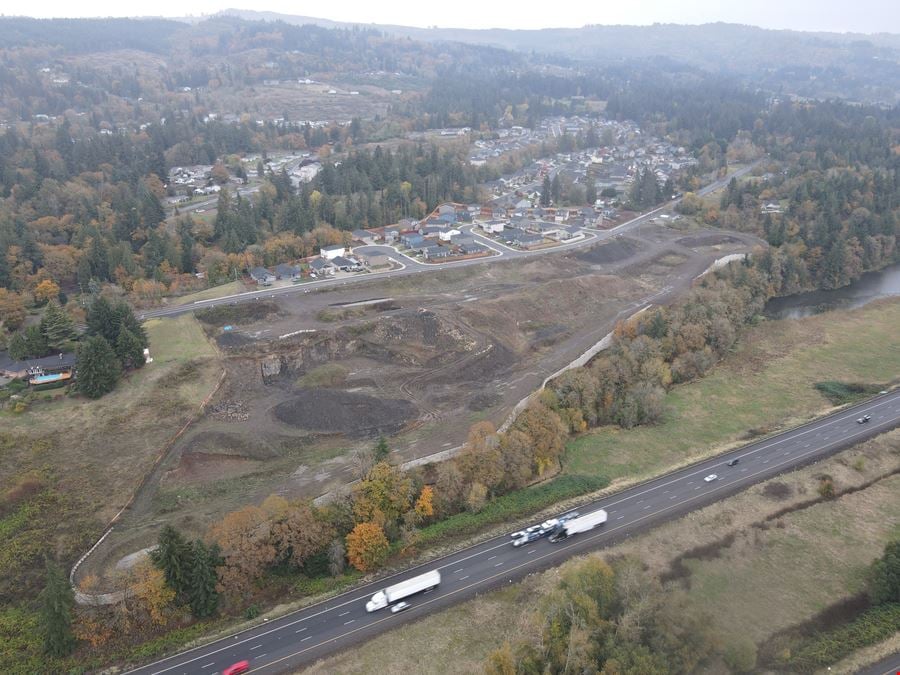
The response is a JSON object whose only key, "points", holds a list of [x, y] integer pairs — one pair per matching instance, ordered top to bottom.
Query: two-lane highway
{"points": [[308, 634]]}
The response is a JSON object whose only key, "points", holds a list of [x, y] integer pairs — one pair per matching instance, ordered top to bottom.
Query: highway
{"points": [[408, 266], [316, 631], [890, 665]]}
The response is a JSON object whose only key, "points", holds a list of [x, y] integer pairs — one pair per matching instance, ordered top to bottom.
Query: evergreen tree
{"points": [[546, 188], [556, 190], [590, 192], [124, 319], [100, 320], [57, 326], [29, 344], [18, 347], [129, 350], [98, 367], [381, 450], [173, 556], [202, 594], [57, 600]]}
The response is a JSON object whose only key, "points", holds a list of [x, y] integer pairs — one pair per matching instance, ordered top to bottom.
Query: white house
{"points": [[493, 226], [447, 235], [332, 252]]}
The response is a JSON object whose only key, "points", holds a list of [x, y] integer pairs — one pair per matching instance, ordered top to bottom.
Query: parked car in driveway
{"points": [[710, 478]]}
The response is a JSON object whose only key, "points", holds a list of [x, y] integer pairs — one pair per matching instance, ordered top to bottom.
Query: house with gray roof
{"points": [[288, 272], [262, 276]]}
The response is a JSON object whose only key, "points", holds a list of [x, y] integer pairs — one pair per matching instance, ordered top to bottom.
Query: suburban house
{"points": [[770, 208], [493, 226], [544, 228], [428, 230], [570, 232], [391, 234], [447, 235], [364, 236], [521, 237], [412, 240], [432, 250], [332, 252], [345, 264], [321, 267], [288, 272], [262, 276], [57, 364]]}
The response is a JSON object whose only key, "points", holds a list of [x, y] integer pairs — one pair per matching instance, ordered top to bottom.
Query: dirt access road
{"points": [[316, 376]]}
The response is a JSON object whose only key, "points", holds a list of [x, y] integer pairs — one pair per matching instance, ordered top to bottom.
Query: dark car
{"points": [[733, 462]]}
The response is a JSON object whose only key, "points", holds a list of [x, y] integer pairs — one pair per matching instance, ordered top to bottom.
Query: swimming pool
{"points": [[44, 379]]}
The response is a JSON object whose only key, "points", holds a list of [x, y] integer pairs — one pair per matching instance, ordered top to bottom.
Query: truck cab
{"points": [[378, 601]]}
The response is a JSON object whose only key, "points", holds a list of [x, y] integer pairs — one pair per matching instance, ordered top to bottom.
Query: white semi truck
{"points": [[581, 524], [404, 589]]}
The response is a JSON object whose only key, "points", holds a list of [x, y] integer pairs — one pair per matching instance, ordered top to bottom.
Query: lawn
{"points": [[767, 384]]}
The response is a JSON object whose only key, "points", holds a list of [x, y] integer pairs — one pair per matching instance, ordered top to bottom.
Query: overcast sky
{"points": [[863, 16]]}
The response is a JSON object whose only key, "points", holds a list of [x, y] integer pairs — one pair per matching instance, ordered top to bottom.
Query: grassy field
{"points": [[231, 288], [768, 383], [82, 459], [774, 596]]}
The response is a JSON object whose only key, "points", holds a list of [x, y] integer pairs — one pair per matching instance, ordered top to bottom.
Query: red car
{"points": [[237, 668]]}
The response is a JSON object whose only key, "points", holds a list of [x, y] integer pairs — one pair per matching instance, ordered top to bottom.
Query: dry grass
{"points": [[231, 288], [768, 383], [464, 635]]}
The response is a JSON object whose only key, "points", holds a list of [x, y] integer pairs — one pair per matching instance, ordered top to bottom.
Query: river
{"points": [[869, 287]]}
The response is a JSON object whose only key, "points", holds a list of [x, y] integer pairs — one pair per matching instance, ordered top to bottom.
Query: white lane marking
{"points": [[851, 415], [698, 487], [673, 497], [647, 507], [620, 517], [532, 551], [492, 557], [498, 564], [459, 570], [464, 578], [344, 613], [347, 623], [300, 631], [308, 637], [255, 647], [211, 663]]}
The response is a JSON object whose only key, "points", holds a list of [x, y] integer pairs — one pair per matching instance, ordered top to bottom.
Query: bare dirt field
{"points": [[310, 379]]}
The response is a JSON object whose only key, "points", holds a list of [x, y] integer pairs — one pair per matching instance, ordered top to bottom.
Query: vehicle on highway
{"points": [[863, 419], [733, 462], [711, 477], [571, 515], [581, 524], [549, 526], [527, 530], [527, 538], [404, 589], [399, 607], [237, 668]]}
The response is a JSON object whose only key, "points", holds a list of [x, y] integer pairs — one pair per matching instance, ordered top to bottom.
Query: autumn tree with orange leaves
{"points": [[367, 546]]}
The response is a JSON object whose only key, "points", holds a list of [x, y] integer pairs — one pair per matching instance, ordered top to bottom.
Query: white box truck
{"points": [[581, 524], [404, 589]]}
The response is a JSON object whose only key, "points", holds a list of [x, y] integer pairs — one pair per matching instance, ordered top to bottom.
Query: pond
{"points": [[871, 286]]}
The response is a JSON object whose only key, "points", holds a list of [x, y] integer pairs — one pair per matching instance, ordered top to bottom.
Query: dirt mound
{"points": [[708, 240], [614, 251], [246, 312], [232, 340], [351, 413]]}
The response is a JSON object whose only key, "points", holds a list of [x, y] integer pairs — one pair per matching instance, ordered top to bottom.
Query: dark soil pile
{"points": [[708, 240], [614, 251], [353, 414]]}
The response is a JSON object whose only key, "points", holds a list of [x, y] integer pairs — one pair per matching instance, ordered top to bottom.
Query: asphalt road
{"points": [[411, 266], [306, 635], [890, 665]]}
